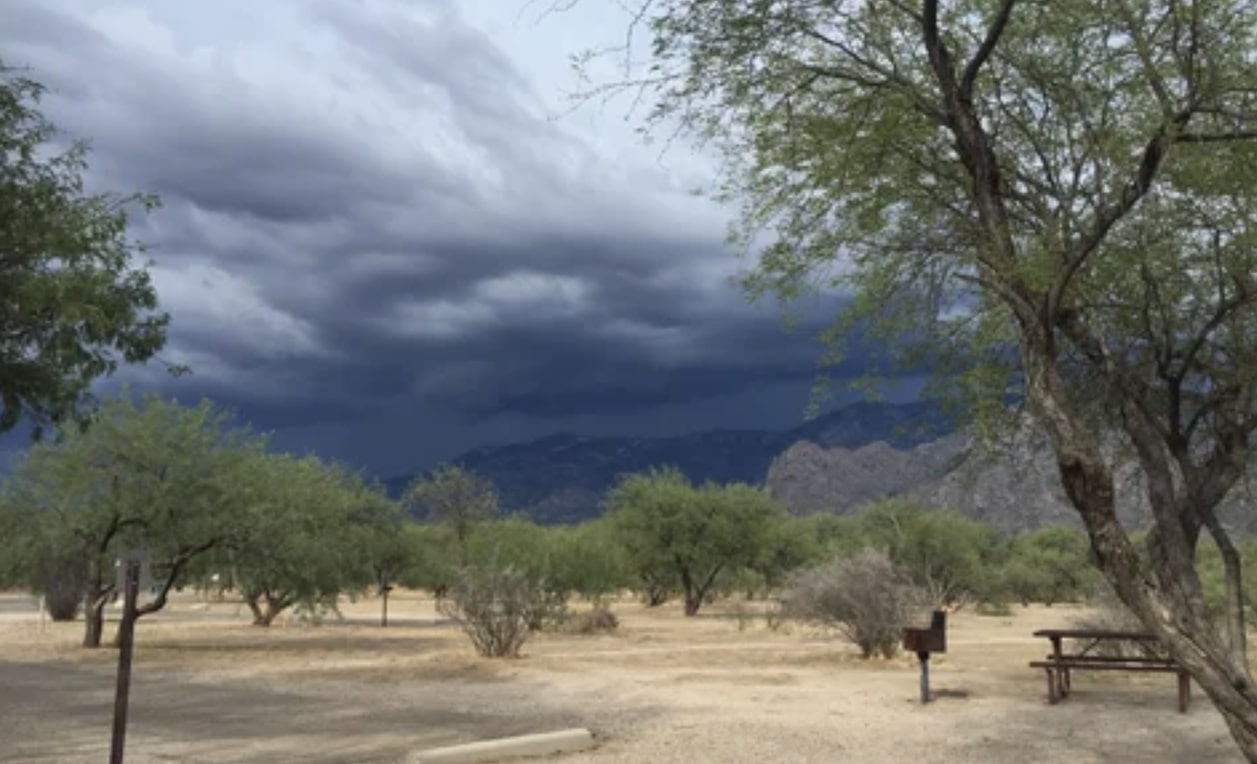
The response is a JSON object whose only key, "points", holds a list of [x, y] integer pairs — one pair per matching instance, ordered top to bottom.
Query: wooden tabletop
{"points": [[1136, 636]]}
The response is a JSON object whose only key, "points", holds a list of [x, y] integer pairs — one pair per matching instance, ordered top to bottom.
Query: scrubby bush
{"points": [[946, 554], [1049, 565], [62, 580], [865, 596], [498, 607], [1106, 612], [595, 621]]}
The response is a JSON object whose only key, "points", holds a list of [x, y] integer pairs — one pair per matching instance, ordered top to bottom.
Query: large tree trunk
{"points": [[1166, 597], [95, 599], [266, 606], [259, 617], [94, 621], [1236, 628]]}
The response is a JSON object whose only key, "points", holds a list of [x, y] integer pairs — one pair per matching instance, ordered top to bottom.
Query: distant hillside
{"points": [[834, 463], [562, 478], [1014, 485]]}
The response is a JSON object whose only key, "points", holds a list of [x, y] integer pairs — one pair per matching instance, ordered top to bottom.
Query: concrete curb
{"points": [[543, 744]]}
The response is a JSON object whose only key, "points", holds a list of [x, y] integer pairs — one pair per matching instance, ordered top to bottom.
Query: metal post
{"points": [[126, 638], [924, 659]]}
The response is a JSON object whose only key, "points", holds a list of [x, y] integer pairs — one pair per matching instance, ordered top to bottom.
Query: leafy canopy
{"points": [[1110, 193], [76, 303], [675, 534]]}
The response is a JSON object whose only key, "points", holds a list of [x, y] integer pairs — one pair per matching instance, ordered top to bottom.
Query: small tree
{"points": [[151, 474], [455, 497], [670, 530], [296, 545], [386, 548], [950, 556], [586, 559], [434, 564], [1049, 565], [865, 597], [497, 606]]}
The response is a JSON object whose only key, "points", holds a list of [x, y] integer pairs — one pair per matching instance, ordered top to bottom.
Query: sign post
{"points": [[131, 568]]}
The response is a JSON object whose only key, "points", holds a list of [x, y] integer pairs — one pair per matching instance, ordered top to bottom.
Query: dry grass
{"points": [[660, 688]]}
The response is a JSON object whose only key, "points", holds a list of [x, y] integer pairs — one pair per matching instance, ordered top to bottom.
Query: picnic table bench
{"points": [[1059, 665]]}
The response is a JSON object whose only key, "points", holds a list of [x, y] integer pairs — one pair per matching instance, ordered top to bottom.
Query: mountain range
{"points": [[833, 463]]}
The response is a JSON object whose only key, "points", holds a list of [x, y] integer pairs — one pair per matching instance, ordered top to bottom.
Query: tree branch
{"points": [[987, 48], [1238, 135], [1150, 163]]}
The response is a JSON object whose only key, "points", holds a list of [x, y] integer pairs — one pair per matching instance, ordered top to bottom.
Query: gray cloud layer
{"points": [[381, 246]]}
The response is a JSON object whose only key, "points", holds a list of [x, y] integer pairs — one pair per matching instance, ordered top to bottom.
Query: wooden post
{"points": [[126, 640], [924, 659]]}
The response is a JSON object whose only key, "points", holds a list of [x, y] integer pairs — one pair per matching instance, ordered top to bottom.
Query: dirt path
{"points": [[209, 689]]}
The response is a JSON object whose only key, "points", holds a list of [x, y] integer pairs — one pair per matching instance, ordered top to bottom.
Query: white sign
{"points": [[146, 574]]}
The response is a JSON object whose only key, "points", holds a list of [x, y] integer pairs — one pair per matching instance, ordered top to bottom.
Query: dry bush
{"points": [[62, 580], [865, 597], [63, 604], [498, 608], [1107, 612], [595, 621]]}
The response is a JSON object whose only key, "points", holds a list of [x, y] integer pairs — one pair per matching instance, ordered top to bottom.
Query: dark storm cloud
{"points": [[431, 241]]}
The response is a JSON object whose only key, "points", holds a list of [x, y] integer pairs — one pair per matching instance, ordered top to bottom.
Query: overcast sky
{"points": [[385, 238]]}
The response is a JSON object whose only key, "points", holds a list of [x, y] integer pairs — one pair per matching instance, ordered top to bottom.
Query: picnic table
{"points": [[1059, 665]]}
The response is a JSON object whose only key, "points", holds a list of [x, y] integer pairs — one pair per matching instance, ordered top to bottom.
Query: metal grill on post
{"points": [[923, 642]]}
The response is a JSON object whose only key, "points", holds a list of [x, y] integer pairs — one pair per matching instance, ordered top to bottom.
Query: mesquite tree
{"points": [[1057, 199], [77, 300], [148, 474], [455, 497], [670, 530], [297, 543]]}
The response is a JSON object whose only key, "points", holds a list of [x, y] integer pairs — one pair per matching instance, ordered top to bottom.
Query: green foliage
{"points": [[959, 189], [76, 304], [151, 475], [455, 497], [675, 534], [380, 540], [512, 541], [297, 542], [948, 555], [435, 558], [587, 559], [1049, 565], [1213, 581]]}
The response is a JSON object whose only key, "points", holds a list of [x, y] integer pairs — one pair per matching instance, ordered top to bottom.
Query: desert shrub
{"points": [[62, 580], [865, 597], [63, 604], [497, 607], [1107, 612], [595, 621]]}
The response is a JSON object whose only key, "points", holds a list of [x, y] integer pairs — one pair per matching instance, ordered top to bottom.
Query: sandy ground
{"points": [[209, 688]]}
